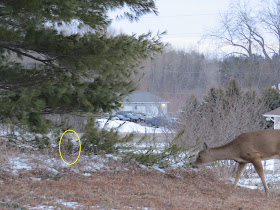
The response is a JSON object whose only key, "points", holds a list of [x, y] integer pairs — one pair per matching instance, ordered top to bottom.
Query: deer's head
{"points": [[204, 157]]}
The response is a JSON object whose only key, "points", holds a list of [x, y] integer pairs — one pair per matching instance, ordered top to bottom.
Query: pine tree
{"points": [[46, 71], [233, 90], [271, 98]]}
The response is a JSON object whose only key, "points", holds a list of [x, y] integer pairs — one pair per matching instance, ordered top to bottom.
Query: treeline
{"points": [[256, 72], [175, 74]]}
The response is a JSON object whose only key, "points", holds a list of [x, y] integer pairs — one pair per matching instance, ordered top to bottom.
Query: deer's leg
{"points": [[259, 168], [239, 171]]}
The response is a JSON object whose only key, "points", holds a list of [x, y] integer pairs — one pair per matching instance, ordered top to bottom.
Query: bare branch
{"points": [[270, 18], [245, 28]]}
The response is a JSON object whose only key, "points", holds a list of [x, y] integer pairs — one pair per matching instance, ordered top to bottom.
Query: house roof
{"points": [[143, 97], [273, 113]]}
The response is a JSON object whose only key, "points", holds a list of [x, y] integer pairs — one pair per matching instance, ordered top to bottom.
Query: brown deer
{"points": [[246, 148]]}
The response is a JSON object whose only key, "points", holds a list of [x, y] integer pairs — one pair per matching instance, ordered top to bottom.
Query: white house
{"points": [[145, 102], [274, 116]]}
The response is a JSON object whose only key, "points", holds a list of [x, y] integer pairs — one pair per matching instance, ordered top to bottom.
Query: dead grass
{"points": [[129, 188], [178, 189]]}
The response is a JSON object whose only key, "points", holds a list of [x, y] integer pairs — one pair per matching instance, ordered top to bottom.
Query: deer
{"points": [[252, 147]]}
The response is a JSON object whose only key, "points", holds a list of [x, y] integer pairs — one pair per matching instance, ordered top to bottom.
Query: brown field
{"points": [[121, 186], [135, 189]]}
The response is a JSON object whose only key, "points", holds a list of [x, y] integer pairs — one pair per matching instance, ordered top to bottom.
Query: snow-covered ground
{"points": [[130, 127], [18, 163], [88, 164]]}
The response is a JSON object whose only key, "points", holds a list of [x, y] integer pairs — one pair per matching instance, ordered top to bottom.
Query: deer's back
{"points": [[264, 144]]}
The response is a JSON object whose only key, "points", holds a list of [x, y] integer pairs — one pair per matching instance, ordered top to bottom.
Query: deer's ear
{"points": [[205, 147]]}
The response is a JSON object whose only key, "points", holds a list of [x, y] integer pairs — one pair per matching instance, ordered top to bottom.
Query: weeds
{"points": [[42, 143], [51, 176]]}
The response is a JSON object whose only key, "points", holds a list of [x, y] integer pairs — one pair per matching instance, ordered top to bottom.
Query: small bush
{"points": [[223, 114], [96, 140], [42, 142], [148, 159], [163, 159], [51, 176]]}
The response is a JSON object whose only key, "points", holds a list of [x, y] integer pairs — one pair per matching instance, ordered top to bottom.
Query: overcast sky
{"points": [[184, 20]]}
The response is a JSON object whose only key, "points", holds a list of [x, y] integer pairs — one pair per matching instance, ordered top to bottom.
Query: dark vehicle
{"points": [[129, 115], [146, 115], [140, 116], [121, 117], [160, 121]]}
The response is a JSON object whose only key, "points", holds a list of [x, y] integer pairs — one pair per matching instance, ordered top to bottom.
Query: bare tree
{"points": [[270, 17], [247, 29]]}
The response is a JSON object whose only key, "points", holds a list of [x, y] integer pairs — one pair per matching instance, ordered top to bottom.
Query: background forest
{"points": [[175, 74]]}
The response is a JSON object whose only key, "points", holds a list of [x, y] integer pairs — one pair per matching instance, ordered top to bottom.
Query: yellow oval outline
{"points": [[79, 149]]}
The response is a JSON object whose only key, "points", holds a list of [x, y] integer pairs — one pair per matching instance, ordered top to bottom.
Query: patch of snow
{"points": [[130, 127], [156, 145], [110, 156], [26, 162], [17, 163], [98, 163], [268, 164], [143, 166], [93, 167], [159, 169], [51, 170], [75, 170], [35, 179], [254, 181], [248, 186], [73, 205], [42, 207], [142, 208]]}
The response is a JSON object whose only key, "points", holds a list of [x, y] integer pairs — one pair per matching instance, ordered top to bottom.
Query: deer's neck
{"points": [[223, 153]]}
